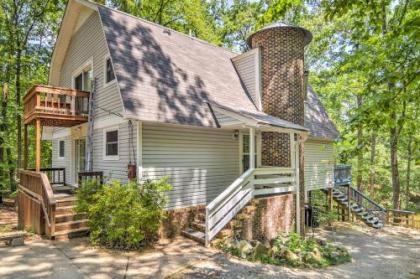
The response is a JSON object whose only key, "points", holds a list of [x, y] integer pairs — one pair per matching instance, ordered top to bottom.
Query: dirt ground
{"points": [[389, 253]]}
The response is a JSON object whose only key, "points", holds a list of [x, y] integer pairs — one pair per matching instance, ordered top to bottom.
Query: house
{"points": [[227, 128]]}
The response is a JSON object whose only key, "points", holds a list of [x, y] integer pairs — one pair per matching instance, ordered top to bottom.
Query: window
{"points": [[109, 71], [82, 78], [111, 144], [61, 148]]}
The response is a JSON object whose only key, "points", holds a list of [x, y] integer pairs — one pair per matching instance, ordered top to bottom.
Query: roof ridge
{"points": [[164, 27]]}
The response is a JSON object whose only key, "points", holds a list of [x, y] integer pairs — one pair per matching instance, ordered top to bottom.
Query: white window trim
{"points": [[78, 71], [106, 84], [61, 157], [114, 157]]}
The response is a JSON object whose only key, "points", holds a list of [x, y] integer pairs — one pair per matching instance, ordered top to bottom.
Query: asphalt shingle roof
{"points": [[166, 76], [317, 120]]}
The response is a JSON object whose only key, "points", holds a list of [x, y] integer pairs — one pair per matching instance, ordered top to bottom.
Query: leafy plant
{"points": [[123, 216]]}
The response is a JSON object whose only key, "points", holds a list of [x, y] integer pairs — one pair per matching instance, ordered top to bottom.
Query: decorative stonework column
{"points": [[283, 88]]}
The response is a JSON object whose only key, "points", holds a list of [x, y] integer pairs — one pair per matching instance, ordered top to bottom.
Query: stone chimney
{"points": [[283, 81]]}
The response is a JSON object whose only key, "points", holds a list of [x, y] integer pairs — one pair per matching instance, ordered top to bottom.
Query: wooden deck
{"points": [[46, 105], [55, 106]]}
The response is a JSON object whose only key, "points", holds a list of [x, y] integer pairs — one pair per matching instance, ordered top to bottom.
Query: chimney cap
{"points": [[307, 35]]}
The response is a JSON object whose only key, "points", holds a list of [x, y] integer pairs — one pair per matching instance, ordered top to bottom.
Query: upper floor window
{"points": [[109, 71], [82, 79], [111, 144], [61, 148]]}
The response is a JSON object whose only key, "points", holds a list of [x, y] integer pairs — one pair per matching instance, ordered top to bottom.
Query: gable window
{"points": [[109, 71], [82, 80], [111, 144], [61, 149]]}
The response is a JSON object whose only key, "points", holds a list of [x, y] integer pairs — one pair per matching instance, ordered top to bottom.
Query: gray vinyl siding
{"points": [[89, 43], [246, 66], [225, 120], [65, 162], [200, 162], [319, 164], [115, 169]]}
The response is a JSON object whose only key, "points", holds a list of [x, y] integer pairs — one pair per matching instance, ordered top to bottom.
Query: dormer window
{"points": [[109, 71]]}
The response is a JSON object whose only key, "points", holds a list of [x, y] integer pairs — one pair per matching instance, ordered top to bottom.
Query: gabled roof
{"points": [[167, 76], [317, 120]]}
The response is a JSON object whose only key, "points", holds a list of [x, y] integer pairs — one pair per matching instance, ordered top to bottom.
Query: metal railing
{"points": [[342, 175]]}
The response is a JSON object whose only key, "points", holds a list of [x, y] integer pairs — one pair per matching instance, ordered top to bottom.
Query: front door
{"points": [[80, 156]]}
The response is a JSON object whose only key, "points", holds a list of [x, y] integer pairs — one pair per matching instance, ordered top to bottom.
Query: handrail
{"points": [[55, 90], [55, 175], [37, 185], [368, 199], [226, 205]]}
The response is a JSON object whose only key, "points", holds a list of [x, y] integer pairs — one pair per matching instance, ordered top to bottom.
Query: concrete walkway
{"points": [[391, 253], [76, 259]]}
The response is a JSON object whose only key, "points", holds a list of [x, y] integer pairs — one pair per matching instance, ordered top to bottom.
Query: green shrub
{"points": [[123, 216]]}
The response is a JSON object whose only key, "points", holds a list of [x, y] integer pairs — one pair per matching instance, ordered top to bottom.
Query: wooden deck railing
{"points": [[49, 100], [91, 175], [56, 176], [36, 202], [403, 218]]}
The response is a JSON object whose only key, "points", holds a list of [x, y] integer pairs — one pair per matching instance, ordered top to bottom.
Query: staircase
{"points": [[226, 206], [361, 206], [68, 223]]}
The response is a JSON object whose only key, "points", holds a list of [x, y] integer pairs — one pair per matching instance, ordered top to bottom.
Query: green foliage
{"points": [[123, 216]]}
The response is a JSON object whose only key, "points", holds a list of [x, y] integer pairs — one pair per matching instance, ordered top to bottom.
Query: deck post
{"points": [[38, 145], [25, 147], [252, 148], [295, 161]]}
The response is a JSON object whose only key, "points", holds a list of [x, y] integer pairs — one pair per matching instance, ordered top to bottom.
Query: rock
{"points": [[18, 241], [322, 242], [244, 248], [260, 250], [317, 254], [290, 256]]}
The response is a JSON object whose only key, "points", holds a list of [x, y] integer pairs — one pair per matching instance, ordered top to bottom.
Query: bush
{"points": [[123, 216]]}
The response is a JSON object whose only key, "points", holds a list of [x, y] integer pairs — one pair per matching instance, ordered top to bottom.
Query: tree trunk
{"points": [[18, 108], [359, 148], [409, 158], [394, 165], [372, 172]]}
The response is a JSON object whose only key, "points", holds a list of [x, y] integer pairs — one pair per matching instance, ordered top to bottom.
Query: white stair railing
{"points": [[225, 206]]}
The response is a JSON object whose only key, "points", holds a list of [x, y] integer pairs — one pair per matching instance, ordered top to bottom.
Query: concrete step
{"points": [[66, 234], [194, 235]]}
